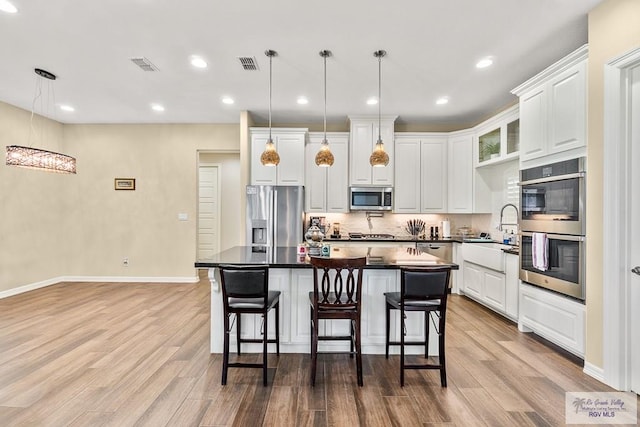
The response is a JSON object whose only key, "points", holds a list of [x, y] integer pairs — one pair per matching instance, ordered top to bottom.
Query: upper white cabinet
{"points": [[553, 110], [364, 135], [497, 139], [290, 144], [460, 172], [421, 181], [326, 188]]}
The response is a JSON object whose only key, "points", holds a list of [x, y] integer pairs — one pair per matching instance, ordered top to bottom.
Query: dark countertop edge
{"points": [[286, 257], [367, 267]]}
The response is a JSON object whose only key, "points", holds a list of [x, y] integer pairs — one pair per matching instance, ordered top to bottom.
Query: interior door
{"points": [[208, 211], [634, 232]]}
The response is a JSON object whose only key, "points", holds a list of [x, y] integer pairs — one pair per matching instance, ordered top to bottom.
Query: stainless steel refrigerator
{"points": [[275, 216]]}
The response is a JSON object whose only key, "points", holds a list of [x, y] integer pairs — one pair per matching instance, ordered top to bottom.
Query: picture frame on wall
{"points": [[125, 183]]}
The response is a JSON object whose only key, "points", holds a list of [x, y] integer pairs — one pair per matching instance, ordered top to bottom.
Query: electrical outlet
{"points": [[125, 262]]}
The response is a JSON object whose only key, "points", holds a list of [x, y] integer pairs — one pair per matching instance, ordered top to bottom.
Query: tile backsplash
{"points": [[391, 223]]}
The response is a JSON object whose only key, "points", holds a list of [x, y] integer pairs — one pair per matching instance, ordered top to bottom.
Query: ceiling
{"points": [[432, 48]]}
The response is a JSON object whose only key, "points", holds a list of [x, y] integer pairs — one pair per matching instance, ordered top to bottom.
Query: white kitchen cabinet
{"points": [[553, 111], [364, 135], [497, 139], [290, 143], [460, 173], [421, 181], [327, 188], [484, 274], [457, 275], [473, 280], [301, 285], [512, 285], [485, 286], [559, 319], [295, 336]]}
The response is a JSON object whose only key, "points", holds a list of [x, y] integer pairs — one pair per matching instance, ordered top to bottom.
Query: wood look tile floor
{"points": [[123, 354]]}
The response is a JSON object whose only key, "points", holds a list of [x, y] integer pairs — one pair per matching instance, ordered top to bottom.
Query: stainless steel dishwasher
{"points": [[442, 250]]}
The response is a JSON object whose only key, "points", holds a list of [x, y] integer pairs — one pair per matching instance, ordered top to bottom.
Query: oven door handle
{"points": [[553, 178], [568, 237]]}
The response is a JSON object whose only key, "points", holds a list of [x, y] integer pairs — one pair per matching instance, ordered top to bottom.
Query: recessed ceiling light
{"points": [[6, 6], [198, 62], [484, 62], [227, 100], [302, 100], [442, 100], [372, 101], [65, 107], [157, 107]]}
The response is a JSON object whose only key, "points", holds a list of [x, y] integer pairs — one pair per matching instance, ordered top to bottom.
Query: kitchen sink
{"points": [[489, 255]]}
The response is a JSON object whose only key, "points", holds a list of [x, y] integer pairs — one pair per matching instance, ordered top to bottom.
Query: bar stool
{"points": [[245, 290], [426, 290], [337, 291]]}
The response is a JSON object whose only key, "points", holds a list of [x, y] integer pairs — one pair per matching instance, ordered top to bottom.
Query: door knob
{"points": [[636, 270]]}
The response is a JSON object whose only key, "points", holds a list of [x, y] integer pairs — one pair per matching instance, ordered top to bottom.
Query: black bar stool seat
{"points": [[245, 290], [425, 290]]}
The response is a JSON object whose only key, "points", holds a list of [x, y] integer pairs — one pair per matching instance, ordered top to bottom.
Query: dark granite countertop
{"points": [[287, 257]]}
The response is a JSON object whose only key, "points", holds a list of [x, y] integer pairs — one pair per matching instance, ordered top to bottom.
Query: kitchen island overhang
{"points": [[293, 276]]}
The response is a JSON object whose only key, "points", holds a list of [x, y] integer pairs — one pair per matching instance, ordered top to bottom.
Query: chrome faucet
{"points": [[502, 215]]}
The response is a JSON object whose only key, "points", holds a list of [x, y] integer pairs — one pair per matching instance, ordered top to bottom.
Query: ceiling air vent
{"points": [[248, 63], [144, 64]]}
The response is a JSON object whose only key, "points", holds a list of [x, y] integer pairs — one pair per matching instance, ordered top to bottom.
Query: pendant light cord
{"points": [[270, 53], [325, 96], [379, 97]]}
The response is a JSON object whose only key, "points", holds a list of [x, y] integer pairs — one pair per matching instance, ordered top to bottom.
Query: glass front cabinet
{"points": [[497, 139]]}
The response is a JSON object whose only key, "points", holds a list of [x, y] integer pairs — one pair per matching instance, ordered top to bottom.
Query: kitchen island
{"points": [[293, 276]]}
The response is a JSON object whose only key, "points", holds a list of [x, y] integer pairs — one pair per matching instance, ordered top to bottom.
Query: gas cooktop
{"points": [[371, 236]]}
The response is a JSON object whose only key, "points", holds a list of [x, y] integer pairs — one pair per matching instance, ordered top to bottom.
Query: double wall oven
{"points": [[552, 226]]}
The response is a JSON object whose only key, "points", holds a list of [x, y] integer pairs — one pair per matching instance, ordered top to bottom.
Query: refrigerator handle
{"points": [[275, 218]]}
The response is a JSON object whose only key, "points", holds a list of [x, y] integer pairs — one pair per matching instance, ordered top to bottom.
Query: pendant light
{"points": [[270, 156], [325, 157], [379, 157], [36, 158]]}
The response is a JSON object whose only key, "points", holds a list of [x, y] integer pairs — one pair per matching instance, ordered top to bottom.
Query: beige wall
{"points": [[614, 28], [64, 225], [33, 227]]}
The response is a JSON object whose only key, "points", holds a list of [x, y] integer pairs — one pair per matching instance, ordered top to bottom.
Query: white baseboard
{"points": [[123, 279], [131, 279], [30, 287], [593, 371]]}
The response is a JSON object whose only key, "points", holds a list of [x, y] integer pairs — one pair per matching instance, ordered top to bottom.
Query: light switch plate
{"points": [[183, 217]]}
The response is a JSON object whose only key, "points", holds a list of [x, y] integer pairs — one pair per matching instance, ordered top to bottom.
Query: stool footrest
{"points": [[335, 338], [257, 340], [407, 343], [245, 365], [422, 366]]}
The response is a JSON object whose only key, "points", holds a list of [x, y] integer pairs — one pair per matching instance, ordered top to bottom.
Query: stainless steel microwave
{"points": [[371, 198], [552, 198]]}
